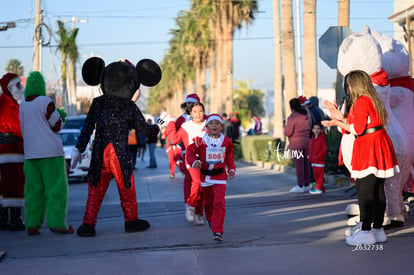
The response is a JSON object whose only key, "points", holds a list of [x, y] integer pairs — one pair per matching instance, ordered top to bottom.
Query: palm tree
{"points": [[343, 12], [228, 16], [343, 20], [203, 42], [69, 52], [288, 52], [14, 66], [310, 78], [278, 88]]}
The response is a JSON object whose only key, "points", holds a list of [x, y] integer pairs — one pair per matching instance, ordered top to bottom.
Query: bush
{"points": [[263, 148], [237, 151]]}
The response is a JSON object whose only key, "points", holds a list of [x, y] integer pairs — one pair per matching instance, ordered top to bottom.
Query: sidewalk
{"points": [[267, 231]]}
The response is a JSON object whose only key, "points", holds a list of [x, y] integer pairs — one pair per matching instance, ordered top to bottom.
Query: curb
{"points": [[336, 180]]}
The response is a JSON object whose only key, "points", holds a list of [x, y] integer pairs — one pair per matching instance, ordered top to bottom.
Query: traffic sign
{"points": [[329, 44]]}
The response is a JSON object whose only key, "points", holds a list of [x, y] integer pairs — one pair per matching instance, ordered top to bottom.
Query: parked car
{"points": [[75, 122], [70, 138]]}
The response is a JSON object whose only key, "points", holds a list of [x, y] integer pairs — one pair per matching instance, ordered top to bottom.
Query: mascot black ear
{"points": [[92, 71], [149, 72]]}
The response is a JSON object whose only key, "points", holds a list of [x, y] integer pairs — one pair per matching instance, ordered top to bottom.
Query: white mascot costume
{"points": [[360, 51], [396, 62]]}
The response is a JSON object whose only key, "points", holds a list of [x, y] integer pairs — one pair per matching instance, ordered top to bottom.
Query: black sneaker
{"points": [[218, 237]]}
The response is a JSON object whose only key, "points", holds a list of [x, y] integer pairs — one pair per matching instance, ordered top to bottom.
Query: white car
{"points": [[70, 138]]}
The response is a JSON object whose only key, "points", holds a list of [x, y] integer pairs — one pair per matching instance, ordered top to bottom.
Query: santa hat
{"points": [[7, 80], [192, 98], [303, 100], [214, 117]]}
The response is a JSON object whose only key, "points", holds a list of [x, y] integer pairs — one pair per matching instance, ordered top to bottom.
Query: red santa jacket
{"points": [[10, 123], [186, 134], [317, 149], [215, 155]]}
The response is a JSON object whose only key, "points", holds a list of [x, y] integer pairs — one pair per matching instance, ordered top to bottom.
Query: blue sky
{"points": [[140, 29]]}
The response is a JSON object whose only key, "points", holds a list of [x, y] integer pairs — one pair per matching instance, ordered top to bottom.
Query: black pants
{"points": [[133, 149], [371, 200]]}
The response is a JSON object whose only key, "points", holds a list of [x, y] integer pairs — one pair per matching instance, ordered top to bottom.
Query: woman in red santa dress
{"points": [[373, 156]]}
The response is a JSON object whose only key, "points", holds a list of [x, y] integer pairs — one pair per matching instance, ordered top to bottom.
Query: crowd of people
{"points": [[201, 146]]}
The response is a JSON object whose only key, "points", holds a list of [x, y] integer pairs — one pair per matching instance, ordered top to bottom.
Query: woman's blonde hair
{"points": [[361, 84]]}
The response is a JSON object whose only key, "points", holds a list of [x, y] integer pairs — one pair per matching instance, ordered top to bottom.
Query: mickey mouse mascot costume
{"points": [[112, 115]]}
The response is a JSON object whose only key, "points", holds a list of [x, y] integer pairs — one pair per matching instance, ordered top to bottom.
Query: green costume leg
{"points": [[56, 190], [34, 194]]}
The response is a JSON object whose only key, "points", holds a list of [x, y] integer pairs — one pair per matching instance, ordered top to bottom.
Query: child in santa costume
{"points": [[187, 133], [180, 148], [173, 153], [11, 154], [210, 155], [316, 155], [373, 156], [46, 187]]}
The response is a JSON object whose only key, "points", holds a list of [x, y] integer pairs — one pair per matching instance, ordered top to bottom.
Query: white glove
{"points": [[164, 119], [76, 158]]}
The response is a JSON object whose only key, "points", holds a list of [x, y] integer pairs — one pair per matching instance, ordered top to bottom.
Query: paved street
{"points": [[267, 231]]}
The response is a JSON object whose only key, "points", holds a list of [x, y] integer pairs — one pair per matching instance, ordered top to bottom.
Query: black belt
{"points": [[371, 130], [6, 138], [212, 172]]}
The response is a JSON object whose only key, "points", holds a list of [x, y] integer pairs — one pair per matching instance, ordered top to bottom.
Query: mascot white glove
{"points": [[164, 119], [76, 158]]}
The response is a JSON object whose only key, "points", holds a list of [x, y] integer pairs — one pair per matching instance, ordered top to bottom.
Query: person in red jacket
{"points": [[184, 117], [186, 134], [317, 152], [211, 154]]}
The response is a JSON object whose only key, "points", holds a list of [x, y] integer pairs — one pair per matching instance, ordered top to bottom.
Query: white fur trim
{"points": [[14, 81], [190, 100], [212, 117], [352, 129], [11, 158], [374, 170], [12, 202]]}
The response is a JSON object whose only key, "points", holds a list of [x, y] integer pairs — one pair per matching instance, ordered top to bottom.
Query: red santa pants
{"points": [[171, 159], [111, 168], [318, 174], [12, 184], [195, 197], [214, 205]]}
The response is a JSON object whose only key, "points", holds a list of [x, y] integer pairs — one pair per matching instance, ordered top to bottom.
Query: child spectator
{"points": [[317, 152], [211, 154]]}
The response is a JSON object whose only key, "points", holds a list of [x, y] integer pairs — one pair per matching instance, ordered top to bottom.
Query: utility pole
{"points": [[37, 43]]}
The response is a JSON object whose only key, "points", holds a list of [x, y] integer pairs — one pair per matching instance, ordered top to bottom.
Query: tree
{"points": [[227, 17], [343, 20], [203, 43], [69, 52], [288, 52], [14, 66], [310, 77], [278, 87], [247, 101]]}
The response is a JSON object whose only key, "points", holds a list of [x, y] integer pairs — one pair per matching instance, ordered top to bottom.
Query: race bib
{"points": [[215, 155]]}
